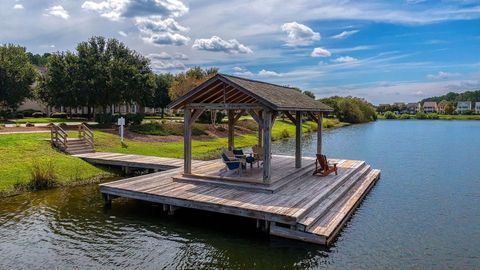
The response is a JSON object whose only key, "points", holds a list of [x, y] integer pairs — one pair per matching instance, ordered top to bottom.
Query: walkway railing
{"points": [[86, 134], [59, 137]]}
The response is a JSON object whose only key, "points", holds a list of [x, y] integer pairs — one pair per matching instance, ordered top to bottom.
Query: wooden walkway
{"points": [[296, 205]]}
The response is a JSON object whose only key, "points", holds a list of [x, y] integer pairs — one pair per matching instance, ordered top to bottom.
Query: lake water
{"points": [[424, 213]]}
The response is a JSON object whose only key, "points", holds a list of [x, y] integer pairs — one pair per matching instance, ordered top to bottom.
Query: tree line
{"points": [[99, 73]]}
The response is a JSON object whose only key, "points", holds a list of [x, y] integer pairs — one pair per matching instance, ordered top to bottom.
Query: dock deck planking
{"points": [[311, 208]]}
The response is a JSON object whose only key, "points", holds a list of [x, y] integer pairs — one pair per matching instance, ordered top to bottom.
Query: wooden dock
{"points": [[294, 205]]}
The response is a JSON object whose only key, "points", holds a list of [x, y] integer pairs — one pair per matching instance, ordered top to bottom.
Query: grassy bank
{"points": [[21, 151]]}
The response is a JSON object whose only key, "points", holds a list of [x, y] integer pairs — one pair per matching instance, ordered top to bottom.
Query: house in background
{"points": [[441, 106], [430, 107], [463, 107], [477, 107], [413, 108]]}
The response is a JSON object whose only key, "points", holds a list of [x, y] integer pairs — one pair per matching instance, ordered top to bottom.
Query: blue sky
{"points": [[384, 51]]}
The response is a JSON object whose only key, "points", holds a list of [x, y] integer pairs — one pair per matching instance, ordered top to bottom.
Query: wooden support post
{"points": [[231, 129], [260, 130], [319, 133], [298, 139], [267, 140], [187, 142], [107, 200]]}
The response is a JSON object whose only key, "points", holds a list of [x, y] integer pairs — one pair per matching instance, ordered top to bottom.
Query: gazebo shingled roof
{"points": [[276, 97]]}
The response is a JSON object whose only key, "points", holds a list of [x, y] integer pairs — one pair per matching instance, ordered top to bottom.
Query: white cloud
{"points": [[18, 6], [117, 9], [58, 11], [156, 31], [123, 34], [299, 34], [345, 34], [217, 44], [352, 49], [320, 52], [161, 56], [181, 56], [345, 59], [164, 61], [162, 65], [241, 71], [268, 73], [442, 76]]}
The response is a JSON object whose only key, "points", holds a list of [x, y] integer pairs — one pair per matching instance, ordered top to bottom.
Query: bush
{"points": [[29, 112], [38, 114], [18, 115], [58, 115], [389, 115], [420, 116], [433, 116], [206, 117], [404, 117], [130, 118], [106, 119], [135, 119], [28, 124], [285, 134], [43, 176]]}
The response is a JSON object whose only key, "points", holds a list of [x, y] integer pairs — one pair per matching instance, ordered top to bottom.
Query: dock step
{"points": [[329, 189], [332, 197], [332, 221]]}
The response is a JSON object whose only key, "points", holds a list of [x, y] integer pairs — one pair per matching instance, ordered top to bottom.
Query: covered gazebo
{"points": [[263, 101]]}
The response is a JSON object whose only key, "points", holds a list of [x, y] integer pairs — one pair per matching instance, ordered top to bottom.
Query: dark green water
{"points": [[424, 213]]}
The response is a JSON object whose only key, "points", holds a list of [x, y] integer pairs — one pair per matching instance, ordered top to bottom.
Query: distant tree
{"points": [[37, 59], [101, 73], [112, 73], [16, 76], [186, 81], [59, 86], [309, 94], [160, 95], [449, 108], [351, 109], [389, 115]]}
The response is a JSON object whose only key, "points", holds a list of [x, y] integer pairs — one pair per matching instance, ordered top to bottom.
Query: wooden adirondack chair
{"points": [[323, 167]]}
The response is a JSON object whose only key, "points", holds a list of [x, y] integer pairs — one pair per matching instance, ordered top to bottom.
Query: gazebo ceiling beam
{"points": [[209, 90], [213, 96], [234, 97], [216, 98], [224, 106], [238, 116], [290, 116], [313, 116], [256, 117]]}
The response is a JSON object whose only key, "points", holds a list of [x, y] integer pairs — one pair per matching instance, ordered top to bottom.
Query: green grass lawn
{"points": [[45, 120], [20, 151]]}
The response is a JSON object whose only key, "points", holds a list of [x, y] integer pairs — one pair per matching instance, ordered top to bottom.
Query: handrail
{"points": [[86, 134], [59, 137]]}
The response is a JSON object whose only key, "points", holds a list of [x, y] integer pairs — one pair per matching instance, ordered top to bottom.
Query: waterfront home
{"points": [[441, 106], [430, 107], [463, 107], [477, 107], [413, 108]]}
